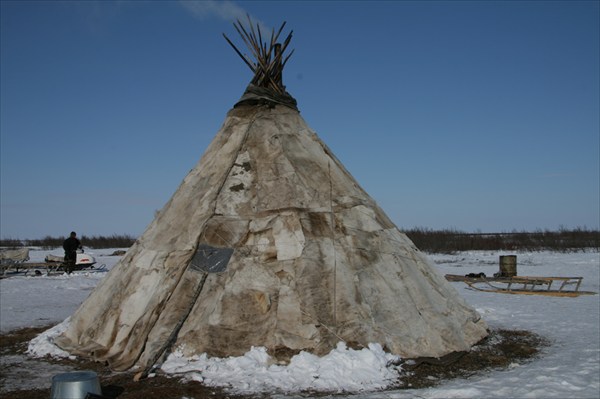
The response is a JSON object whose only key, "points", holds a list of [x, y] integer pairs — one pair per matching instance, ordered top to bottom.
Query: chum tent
{"points": [[269, 241]]}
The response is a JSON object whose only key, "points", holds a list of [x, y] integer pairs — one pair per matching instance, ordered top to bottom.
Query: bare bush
{"points": [[428, 240], [450, 241], [96, 242]]}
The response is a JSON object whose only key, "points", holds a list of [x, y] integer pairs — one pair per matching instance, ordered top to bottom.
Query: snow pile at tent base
{"points": [[341, 370]]}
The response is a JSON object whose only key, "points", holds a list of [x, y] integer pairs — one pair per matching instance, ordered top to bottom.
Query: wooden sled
{"points": [[11, 259], [48, 268], [525, 285]]}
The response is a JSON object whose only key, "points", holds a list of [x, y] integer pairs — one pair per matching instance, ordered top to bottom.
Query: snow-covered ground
{"points": [[39, 301], [568, 368]]}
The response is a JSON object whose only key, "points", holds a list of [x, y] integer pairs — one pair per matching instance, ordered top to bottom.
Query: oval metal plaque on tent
{"points": [[211, 259]]}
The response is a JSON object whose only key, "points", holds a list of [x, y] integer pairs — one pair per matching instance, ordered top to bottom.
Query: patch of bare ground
{"points": [[500, 349], [497, 351]]}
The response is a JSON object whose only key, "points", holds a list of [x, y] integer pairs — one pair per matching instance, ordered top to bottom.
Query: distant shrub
{"points": [[428, 240], [114, 241], [450, 241], [11, 242], [46, 242], [96, 242]]}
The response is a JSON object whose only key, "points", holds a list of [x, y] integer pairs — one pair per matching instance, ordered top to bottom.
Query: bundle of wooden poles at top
{"points": [[268, 69]]}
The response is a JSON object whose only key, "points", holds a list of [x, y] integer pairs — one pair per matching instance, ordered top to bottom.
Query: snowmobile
{"points": [[83, 260]]}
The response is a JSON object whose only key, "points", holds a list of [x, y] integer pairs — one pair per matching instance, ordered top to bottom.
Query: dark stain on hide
{"points": [[245, 166], [237, 187], [318, 224]]}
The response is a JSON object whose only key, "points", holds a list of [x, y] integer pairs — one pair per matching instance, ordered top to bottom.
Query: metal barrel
{"points": [[508, 265], [75, 385]]}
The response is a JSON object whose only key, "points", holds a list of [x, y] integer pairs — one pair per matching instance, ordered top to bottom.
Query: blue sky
{"points": [[477, 116]]}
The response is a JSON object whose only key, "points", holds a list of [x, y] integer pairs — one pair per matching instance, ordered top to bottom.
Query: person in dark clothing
{"points": [[71, 245]]}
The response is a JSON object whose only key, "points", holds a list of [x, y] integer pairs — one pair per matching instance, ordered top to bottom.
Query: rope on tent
{"points": [[333, 245], [331, 330], [169, 342]]}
